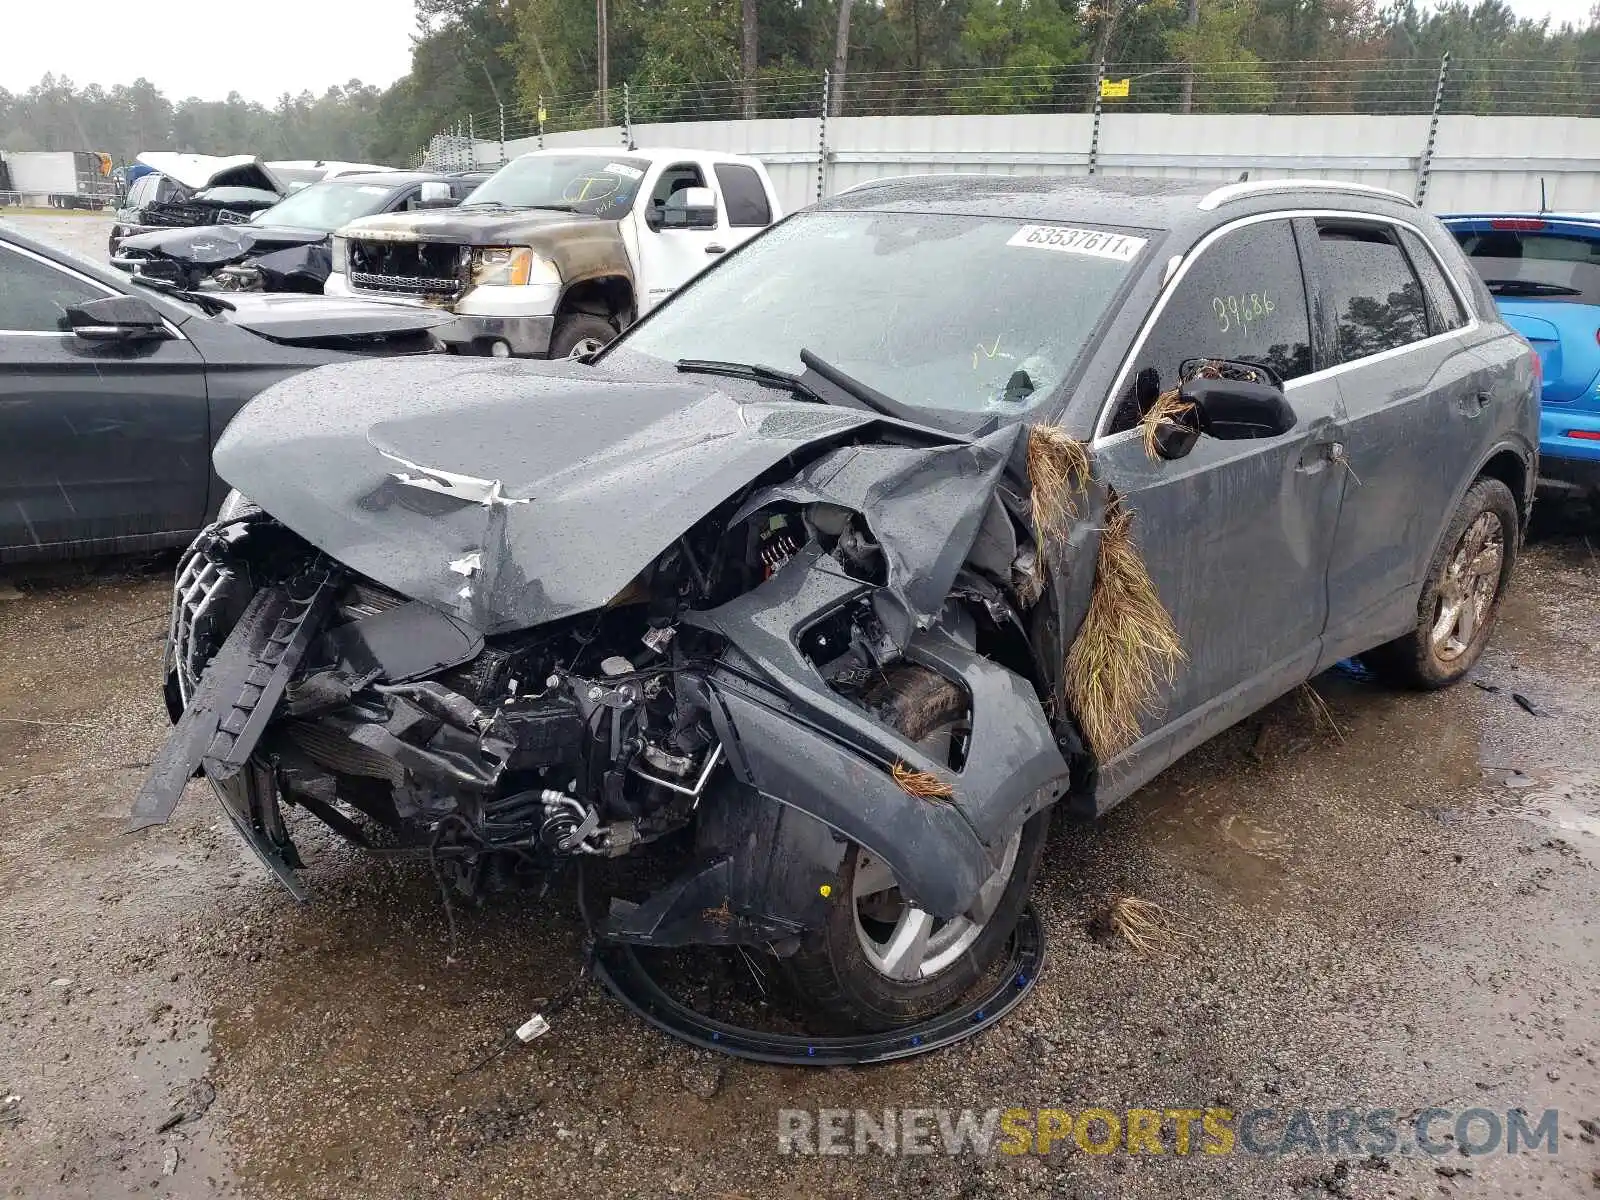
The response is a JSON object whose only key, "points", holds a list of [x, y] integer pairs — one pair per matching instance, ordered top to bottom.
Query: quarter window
{"points": [[745, 197], [34, 297], [1375, 298], [1244, 299], [1446, 309]]}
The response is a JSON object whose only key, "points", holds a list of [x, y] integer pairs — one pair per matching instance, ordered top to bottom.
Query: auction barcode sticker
{"points": [[1094, 242]]}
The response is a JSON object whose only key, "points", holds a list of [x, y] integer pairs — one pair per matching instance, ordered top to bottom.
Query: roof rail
{"points": [[1258, 187]]}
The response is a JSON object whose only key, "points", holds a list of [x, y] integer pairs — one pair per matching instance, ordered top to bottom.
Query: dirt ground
{"points": [[1392, 904]]}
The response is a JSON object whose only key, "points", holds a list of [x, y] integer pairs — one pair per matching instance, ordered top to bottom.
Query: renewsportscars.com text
{"points": [[1177, 1131]]}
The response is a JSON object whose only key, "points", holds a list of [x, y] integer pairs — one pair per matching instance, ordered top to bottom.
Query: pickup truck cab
{"points": [[559, 250]]}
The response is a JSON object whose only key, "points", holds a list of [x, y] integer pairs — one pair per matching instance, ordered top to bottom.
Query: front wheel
{"points": [[580, 333], [1461, 596], [879, 962]]}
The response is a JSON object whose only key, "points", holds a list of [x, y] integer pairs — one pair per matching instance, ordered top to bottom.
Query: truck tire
{"points": [[581, 332], [1460, 596], [855, 968]]}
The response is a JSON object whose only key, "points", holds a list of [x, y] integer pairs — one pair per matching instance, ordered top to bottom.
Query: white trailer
{"points": [[57, 178]]}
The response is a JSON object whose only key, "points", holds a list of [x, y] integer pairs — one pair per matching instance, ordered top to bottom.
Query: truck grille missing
{"points": [[427, 269]]}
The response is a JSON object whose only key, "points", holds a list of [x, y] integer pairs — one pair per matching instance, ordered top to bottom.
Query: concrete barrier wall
{"points": [[1477, 162]]}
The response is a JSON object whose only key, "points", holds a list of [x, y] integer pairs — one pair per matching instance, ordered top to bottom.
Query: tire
{"points": [[574, 330], [1437, 653], [832, 970]]}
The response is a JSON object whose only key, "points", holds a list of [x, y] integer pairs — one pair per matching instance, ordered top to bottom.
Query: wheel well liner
{"points": [[604, 296], [1511, 469]]}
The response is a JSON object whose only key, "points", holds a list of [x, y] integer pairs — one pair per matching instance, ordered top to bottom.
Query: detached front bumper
{"points": [[520, 318]]}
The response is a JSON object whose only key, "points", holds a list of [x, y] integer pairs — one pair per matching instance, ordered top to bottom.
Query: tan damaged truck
{"points": [[559, 250]]}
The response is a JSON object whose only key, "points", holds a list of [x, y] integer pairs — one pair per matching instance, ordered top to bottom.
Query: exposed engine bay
{"points": [[839, 662]]}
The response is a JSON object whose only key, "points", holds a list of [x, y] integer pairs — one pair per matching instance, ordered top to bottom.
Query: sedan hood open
{"points": [[197, 171], [509, 494]]}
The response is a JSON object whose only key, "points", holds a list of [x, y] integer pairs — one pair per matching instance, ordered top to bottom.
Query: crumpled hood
{"points": [[216, 245], [291, 318], [507, 493]]}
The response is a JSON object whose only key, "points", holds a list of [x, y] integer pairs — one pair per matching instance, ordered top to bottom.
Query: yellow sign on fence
{"points": [[1114, 89]]}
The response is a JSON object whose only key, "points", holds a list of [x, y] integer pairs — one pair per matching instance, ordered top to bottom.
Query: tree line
{"points": [[474, 59]]}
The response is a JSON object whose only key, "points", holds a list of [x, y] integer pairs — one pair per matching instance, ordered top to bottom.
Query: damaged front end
{"points": [[825, 667]]}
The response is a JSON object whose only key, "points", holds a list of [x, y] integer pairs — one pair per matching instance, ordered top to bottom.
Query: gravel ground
{"points": [[82, 233], [1388, 905]]}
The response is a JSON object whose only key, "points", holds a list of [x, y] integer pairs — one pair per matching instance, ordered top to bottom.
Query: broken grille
{"points": [[408, 268], [404, 285], [199, 596]]}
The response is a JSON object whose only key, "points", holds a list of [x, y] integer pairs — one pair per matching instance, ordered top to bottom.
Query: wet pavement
{"points": [[1387, 903]]}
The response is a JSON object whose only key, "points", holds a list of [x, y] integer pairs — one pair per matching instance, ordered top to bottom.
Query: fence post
{"points": [[540, 115], [627, 117], [502, 133], [1094, 134], [822, 136], [472, 143], [1425, 165]]}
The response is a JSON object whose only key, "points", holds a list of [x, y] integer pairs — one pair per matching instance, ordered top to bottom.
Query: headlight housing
{"points": [[340, 252], [511, 266]]}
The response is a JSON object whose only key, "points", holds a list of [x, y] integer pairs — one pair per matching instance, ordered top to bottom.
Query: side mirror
{"points": [[436, 194], [690, 208], [117, 319], [1235, 410]]}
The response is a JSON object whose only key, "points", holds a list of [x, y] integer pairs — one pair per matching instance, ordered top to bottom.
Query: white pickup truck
{"points": [[559, 250]]}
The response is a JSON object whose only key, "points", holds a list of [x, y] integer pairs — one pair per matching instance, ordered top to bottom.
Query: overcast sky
{"points": [[207, 48], [260, 48]]}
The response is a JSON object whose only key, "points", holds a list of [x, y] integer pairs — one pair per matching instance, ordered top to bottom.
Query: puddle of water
{"points": [[1555, 796]]}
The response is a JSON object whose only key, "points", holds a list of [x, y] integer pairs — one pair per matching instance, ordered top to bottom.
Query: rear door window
{"points": [[745, 197], [1375, 298], [1243, 299], [1443, 307]]}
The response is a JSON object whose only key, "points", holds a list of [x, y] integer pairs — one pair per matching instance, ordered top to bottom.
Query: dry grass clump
{"points": [[1167, 409], [1058, 470], [1127, 647], [1320, 711], [924, 785], [1144, 925]]}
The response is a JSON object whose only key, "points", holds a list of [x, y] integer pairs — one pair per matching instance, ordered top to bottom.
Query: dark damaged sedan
{"points": [[285, 248], [112, 393], [943, 503]]}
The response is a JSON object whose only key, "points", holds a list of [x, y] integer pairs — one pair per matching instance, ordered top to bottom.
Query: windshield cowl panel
{"points": [[973, 315]]}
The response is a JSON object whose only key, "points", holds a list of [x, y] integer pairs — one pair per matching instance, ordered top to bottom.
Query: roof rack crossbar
{"points": [[1259, 187]]}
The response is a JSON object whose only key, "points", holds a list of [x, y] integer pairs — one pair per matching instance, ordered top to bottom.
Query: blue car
{"points": [[1544, 272]]}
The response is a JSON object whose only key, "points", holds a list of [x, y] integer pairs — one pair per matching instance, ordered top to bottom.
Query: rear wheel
{"points": [[580, 333], [1461, 597], [879, 961]]}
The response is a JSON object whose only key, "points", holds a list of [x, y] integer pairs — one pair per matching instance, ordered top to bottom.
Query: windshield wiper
{"points": [[1529, 287], [207, 303], [770, 376], [863, 394]]}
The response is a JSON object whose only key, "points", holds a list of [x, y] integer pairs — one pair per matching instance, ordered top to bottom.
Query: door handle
{"points": [[716, 249], [1476, 403]]}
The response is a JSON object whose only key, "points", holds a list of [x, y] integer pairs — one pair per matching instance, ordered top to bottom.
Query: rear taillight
{"points": [[1522, 224], [1538, 374]]}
